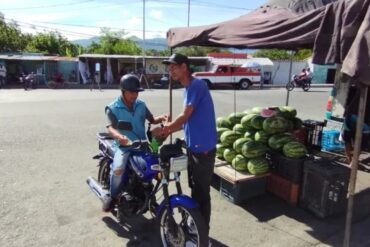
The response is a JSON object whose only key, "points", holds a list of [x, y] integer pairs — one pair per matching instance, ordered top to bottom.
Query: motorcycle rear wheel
{"points": [[289, 86], [104, 173], [180, 232]]}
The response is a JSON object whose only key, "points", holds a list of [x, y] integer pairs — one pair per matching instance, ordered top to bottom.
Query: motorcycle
{"points": [[28, 81], [297, 82], [162, 83], [147, 173]]}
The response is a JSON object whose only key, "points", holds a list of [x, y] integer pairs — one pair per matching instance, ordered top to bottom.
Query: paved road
{"points": [[48, 139]]}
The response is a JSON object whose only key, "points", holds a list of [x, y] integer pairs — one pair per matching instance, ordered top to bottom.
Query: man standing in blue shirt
{"points": [[199, 124]]}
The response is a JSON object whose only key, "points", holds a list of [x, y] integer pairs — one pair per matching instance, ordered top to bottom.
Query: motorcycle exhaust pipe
{"points": [[97, 189]]}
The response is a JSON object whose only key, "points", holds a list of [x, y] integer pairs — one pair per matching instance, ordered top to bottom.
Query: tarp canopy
{"points": [[338, 33]]}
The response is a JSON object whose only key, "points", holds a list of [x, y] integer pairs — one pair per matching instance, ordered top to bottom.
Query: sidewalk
{"points": [[269, 221]]}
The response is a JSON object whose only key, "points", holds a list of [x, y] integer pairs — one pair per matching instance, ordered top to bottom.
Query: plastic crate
{"points": [[314, 132], [330, 141], [288, 168], [324, 187], [283, 188], [242, 190]]}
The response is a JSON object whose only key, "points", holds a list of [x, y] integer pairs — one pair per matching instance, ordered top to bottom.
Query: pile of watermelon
{"points": [[244, 138]]}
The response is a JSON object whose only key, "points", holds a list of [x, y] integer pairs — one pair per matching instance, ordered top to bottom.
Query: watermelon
{"points": [[257, 110], [248, 111], [267, 112], [288, 112], [235, 117], [247, 120], [223, 122], [257, 122], [297, 123], [275, 125], [290, 125], [239, 128], [220, 131], [249, 134], [261, 136], [229, 137], [277, 141], [238, 144], [220, 148], [253, 149], [294, 150], [229, 154], [240, 163], [258, 166]]}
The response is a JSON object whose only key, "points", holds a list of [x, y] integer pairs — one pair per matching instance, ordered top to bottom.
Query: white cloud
{"points": [[156, 14]]}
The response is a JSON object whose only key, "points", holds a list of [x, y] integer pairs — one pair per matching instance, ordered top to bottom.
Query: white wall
{"points": [[280, 74]]}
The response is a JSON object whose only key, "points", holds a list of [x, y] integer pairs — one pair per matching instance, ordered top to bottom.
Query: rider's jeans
{"points": [[117, 171]]}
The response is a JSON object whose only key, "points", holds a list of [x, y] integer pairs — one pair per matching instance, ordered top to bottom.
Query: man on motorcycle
{"points": [[127, 107]]}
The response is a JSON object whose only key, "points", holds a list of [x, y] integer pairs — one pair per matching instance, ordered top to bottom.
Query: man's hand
{"points": [[123, 140]]}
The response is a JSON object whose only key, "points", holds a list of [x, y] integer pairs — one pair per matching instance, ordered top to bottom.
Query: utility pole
{"points": [[188, 12], [144, 37], [142, 76]]}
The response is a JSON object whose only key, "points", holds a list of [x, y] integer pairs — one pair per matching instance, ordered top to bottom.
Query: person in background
{"points": [[2, 75], [127, 107], [350, 121], [199, 124]]}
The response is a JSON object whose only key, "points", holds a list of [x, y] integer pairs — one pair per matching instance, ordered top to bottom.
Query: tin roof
{"points": [[35, 57]]}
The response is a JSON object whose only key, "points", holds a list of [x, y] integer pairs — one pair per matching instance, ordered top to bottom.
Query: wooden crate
{"points": [[236, 186], [283, 188]]}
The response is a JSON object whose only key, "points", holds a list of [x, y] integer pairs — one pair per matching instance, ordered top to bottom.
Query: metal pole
{"points": [[188, 12], [144, 51], [290, 76], [170, 88], [354, 163]]}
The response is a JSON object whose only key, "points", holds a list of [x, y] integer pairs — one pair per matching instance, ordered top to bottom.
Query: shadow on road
{"points": [[268, 207], [139, 232]]}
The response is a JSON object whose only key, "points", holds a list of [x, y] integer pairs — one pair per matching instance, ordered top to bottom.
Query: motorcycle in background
{"points": [[28, 81], [297, 82], [148, 173]]}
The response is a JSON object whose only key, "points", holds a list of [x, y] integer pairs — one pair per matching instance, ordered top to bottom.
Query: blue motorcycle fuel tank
{"points": [[141, 162]]}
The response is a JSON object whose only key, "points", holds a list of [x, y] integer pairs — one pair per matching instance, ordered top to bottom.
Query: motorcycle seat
{"points": [[106, 144]]}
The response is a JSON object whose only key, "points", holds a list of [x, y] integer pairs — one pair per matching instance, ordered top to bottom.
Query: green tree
{"points": [[11, 37], [52, 43], [114, 43], [277, 54]]}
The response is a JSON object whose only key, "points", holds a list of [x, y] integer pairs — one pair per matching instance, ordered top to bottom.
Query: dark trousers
{"points": [[200, 171]]}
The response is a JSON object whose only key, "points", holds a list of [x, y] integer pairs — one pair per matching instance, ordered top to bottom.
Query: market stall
{"points": [[337, 33]]}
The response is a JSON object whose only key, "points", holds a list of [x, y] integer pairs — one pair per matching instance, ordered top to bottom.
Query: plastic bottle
{"points": [[154, 145]]}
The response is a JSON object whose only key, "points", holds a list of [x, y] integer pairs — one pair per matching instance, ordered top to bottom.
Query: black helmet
{"points": [[130, 83]]}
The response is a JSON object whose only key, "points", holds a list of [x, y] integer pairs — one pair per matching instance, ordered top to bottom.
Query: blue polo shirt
{"points": [[117, 111], [200, 129]]}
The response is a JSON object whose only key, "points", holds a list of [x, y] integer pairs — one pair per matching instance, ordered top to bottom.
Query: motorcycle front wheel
{"points": [[289, 86], [306, 86], [186, 227]]}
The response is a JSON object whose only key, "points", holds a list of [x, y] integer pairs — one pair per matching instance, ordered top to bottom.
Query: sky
{"points": [[82, 19]]}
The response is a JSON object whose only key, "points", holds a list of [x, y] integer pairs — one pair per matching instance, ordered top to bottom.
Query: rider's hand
{"points": [[164, 118], [123, 140]]}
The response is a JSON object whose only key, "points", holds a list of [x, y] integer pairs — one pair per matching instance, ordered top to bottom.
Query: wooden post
{"points": [[290, 76], [354, 163]]}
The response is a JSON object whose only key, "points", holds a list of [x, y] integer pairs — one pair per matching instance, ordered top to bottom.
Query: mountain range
{"points": [[154, 43]]}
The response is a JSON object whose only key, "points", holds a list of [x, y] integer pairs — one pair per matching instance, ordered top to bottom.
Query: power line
{"points": [[48, 6], [33, 26], [90, 26]]}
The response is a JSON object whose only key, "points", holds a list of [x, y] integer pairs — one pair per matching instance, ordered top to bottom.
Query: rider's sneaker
{"points": [[107, 204]]}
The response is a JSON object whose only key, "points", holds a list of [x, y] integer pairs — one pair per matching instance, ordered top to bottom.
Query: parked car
{"points": [[239, 76]]}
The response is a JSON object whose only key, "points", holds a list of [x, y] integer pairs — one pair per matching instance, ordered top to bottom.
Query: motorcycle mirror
{"points": [[123, 125]]}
